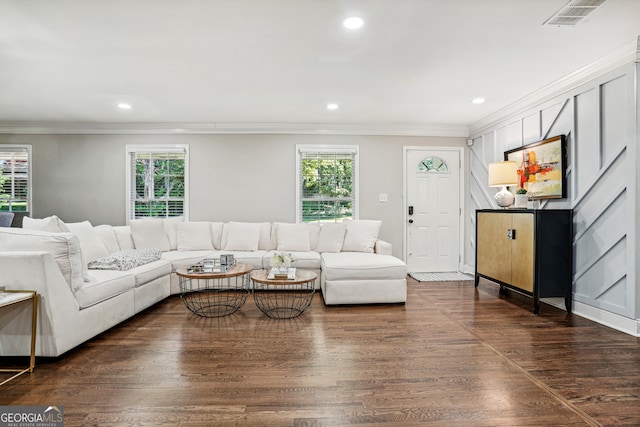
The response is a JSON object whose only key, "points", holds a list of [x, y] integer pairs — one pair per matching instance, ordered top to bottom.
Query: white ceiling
{"points": [[252, 63]]}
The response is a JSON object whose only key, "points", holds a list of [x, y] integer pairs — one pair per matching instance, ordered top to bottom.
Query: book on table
{"points": [[276, 273]]}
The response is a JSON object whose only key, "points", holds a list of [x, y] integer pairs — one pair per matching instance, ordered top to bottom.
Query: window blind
{"points": [[15, 178], [326, 184], [157, 186]]}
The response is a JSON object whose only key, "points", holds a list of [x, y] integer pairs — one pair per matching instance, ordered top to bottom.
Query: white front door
{"points": [[432, 210]]}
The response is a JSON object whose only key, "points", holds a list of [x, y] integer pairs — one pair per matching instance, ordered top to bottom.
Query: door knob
{"points": [[410, 221]]}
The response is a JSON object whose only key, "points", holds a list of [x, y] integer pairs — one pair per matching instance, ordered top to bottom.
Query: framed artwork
{"points": [[542, 168]]}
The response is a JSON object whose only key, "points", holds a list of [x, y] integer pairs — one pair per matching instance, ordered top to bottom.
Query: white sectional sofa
{"points": [[71, 266]]}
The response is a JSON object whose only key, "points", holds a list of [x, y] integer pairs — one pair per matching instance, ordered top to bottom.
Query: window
{"points": [[433, 164], [15, 173], [157, 181], [326, 183]]}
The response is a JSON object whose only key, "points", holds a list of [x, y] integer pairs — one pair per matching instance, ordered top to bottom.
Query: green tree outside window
{"points": [[327, 181], [159, 185]]}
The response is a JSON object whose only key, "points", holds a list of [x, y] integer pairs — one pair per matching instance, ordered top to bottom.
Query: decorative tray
{"points": [[210, 265]]}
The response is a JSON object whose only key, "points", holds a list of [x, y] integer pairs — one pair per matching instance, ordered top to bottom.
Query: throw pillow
{"points": [[51, 223], [171, 228], [149, 234], [216, 234], [314, 234], [361, 235], [123, 236], [194, 236], [241, 236], [108, 237], [293, 237], [331, 237], [265, 242], [90, 244]]}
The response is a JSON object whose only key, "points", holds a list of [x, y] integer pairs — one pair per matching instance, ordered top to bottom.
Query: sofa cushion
{"points": [[52, 224], [171, 228], [149, 234], [216, 234], [314, 234], [123, 235], [361, 235], [194, 236], [241, 236], [293, 237], [331, 237], [108, 238], [264, 241], [90, 242], [65, 248], [186, 258], [309, 260], [360, 266], [151, 271], [103, 285]]}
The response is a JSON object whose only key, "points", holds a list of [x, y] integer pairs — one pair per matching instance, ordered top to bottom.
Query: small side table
{"points": [[215, 294], [8, 298], [283, 298]]}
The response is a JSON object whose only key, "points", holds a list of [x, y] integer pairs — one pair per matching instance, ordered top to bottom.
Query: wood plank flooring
{"points": [[452, 356]]}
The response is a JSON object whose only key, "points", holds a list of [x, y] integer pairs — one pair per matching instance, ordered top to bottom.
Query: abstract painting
{"points": [[541, 168]]}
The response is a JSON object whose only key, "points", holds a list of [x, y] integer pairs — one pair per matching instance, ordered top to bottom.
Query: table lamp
{"points": [[502, 174]]}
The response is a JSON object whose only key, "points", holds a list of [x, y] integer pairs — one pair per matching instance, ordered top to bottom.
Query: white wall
{"points": [[600, 121], [233, 177]]}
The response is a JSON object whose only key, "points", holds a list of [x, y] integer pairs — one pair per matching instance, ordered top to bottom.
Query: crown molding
{"points": [[626, 54], [234, 128]]}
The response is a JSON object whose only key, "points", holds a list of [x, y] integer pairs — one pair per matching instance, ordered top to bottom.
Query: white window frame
{"points": [[19, 147], [162, 148], [341, 149]]}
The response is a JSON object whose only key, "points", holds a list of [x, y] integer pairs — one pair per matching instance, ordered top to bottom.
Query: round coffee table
{"points": [[215, 294], [283, 298]]}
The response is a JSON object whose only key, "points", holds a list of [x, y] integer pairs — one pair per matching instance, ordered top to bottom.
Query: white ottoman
{"points": [[363, 278]]}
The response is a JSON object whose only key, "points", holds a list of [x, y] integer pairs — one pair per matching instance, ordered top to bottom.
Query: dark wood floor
{"points": [[452, 356]]}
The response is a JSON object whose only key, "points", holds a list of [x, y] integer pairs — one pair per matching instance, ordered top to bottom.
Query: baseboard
{"points": [[606, 318]]}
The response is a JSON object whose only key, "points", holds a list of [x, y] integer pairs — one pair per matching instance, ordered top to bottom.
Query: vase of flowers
{"points": [[281, 260]]}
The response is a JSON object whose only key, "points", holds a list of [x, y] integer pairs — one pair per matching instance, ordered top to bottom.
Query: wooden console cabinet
{"points": [[529, 251]]}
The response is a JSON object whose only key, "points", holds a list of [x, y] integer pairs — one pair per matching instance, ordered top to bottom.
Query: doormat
{"points": [[440, 277]]}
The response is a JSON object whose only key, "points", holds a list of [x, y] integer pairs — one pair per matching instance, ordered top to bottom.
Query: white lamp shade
{"points": [[502, 174]]}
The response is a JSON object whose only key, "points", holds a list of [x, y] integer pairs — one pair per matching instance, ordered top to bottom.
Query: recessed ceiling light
{"points": [[353, 22], [477, 101], [124, 106], [332, 106]]}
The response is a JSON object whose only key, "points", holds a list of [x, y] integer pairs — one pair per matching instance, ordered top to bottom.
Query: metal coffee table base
{"points": [[215, 294], [283, 298], [213, 302], [283, 304]]}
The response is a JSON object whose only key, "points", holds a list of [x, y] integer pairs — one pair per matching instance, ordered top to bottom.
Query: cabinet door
{"points": [[493, 246], [522, 249]]}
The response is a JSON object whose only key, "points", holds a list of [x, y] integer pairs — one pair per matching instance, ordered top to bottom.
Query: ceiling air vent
{"points": [[574, 12]]}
